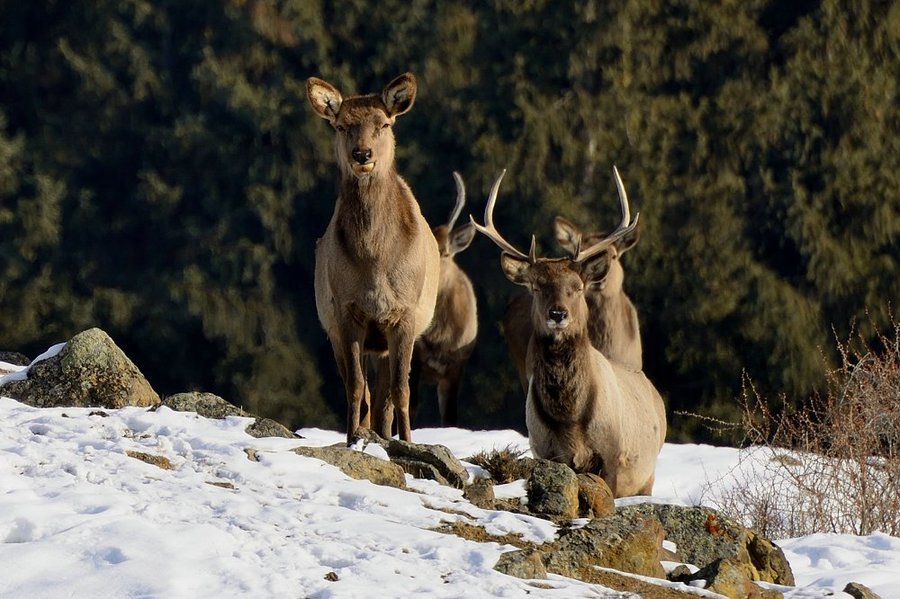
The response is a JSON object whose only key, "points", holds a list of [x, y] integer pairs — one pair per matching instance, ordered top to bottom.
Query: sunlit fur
{"points": [[377, 265]]}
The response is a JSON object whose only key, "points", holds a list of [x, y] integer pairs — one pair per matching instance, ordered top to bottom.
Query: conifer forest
{"points": [[163, 177]]}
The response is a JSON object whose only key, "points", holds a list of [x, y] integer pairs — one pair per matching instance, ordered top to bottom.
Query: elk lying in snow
{"points": [[377, 265], [613, 321], [442, 351], [581, 409]]}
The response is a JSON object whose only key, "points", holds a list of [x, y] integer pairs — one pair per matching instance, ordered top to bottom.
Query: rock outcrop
{"points": [[90, 371]]}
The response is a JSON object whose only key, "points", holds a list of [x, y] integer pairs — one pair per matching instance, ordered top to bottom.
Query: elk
{"points": [[377, 265], [613, 322], [442, 351], [581, 409]]}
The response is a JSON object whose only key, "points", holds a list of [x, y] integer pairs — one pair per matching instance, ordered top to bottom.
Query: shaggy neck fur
{"points": [[562, 392]]}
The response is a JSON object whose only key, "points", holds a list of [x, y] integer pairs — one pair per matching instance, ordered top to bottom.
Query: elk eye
{"points": [[385, 126], [340, 128]]}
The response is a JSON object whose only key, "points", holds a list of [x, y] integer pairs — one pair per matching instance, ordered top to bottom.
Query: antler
{"points": [[460, 200], [626, 226], [491, 231]]}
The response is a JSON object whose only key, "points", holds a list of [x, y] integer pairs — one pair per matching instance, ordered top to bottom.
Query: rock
{"points": [[14, 358], [90, 371], [210, 405], [266, 427], [160, 461], [434, 462], [358, 465], [553, 490], [481, 493], [595, 499], [704, 536], [625, 543], [522, 563], [728, 577], [860, 591]]}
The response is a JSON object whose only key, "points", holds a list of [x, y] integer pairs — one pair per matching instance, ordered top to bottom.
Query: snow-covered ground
{"points": [[79, 517]]}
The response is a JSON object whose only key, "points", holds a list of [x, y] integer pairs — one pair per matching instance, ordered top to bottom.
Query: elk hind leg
{"points": [[382, 407]]}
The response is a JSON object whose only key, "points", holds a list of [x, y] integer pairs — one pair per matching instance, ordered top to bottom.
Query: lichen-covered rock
{"points": [[14, 358], [90, 371], [210, 405], [434, 462], [358, 465], [553, 490], [481, 493], [595, 499], [702, 536], [626, 543], [522, 563], [728, 577]]}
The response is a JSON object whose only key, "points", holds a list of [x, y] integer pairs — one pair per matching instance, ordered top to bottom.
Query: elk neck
{"points": [[374, 212], [562, 385]]}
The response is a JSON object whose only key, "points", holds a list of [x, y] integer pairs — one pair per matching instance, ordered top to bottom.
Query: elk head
{"points": [[364, 140], [571, 239], [452, 241], [557, 284]]}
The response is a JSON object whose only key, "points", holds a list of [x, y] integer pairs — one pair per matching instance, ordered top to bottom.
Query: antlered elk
{"points": [[377, 265], [613, 320], [444, 348], [581, 409]]}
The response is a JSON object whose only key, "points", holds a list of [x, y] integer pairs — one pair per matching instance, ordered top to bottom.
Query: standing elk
{"points": [[377, 265], [613, 326], [442, 351], [581, 409]]}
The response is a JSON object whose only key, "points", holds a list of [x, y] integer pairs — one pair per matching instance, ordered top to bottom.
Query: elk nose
{"points": [[361, 155], [558, 316]]}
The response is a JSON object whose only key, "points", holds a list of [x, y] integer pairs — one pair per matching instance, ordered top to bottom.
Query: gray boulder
{"points": [[90, 371], [210, 405], [434, 462], [357, 464], [553, 490], [702, 536], [627, 543]]}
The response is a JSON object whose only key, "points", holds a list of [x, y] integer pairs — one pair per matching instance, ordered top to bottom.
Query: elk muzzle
{"points": [[362, 161], [557, 318]]}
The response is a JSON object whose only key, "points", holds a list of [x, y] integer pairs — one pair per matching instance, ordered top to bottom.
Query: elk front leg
{"points": [[400, 347], [348, 355], [382, 408]]}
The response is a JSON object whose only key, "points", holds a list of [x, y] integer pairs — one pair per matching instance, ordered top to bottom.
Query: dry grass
{"points": [[834, 463], [504, 465]]}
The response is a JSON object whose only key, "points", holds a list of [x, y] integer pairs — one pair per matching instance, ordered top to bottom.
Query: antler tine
{"points": [[460, 200], [626, 226], [490, 230]]}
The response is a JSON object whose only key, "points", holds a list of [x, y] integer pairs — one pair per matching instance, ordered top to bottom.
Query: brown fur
{"points": [[377, 265], [613, 326], [581, 408]]}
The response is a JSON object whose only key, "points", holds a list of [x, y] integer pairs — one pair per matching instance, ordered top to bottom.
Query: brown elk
{"points": [[377, 265], [613, 323], [442, 351], [581, 409]]}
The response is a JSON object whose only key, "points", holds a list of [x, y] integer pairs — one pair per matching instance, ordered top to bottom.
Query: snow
{"points": [[79, 517]]}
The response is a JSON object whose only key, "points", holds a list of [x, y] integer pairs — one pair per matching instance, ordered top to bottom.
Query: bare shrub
{"points": [[833, 464], [505, 465]]}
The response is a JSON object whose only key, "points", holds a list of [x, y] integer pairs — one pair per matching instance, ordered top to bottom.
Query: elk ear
{"points": [[398, 96], [326, 100], [568, 236], [461, 237], [629, 240], [595, 268], [515, 269]]}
